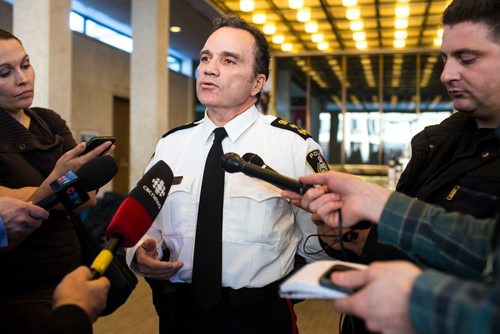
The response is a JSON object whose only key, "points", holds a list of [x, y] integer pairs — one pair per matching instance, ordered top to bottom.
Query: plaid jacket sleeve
{"points": [[454, 243], [441, 303]]}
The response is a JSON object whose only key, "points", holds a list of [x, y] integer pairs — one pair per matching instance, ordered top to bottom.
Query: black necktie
{"points": [[207, 262]]}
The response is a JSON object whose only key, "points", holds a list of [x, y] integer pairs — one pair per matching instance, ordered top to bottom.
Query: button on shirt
{"points": [[261, 230]]}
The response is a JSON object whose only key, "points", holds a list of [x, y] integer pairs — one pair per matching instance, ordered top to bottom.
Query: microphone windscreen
{"points": [[253, 158], [97, 172], [141, 207], [131, 221]]}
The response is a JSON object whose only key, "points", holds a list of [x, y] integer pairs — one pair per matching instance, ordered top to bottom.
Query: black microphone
{"points": [[256, 160], [232, 163], [71, 189], [135, 215]]}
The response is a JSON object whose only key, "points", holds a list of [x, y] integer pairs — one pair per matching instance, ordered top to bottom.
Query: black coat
{"points": [[454, 166]]}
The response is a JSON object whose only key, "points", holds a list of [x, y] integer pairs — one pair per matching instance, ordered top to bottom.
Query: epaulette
{"points": [[281, 123], [182, 127]]}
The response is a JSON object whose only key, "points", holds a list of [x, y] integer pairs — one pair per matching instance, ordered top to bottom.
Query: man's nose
{"points": [[450, 72]]}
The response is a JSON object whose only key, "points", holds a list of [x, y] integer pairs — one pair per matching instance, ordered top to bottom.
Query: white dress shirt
{"points": [[261, 230]]}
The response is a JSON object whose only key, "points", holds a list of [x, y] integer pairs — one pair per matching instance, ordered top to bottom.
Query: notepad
{"points": [[304, 284]]}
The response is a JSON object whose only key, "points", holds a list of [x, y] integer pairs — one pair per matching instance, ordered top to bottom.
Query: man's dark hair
{"points": [[476, 11], [5, 35], [262, 53]]}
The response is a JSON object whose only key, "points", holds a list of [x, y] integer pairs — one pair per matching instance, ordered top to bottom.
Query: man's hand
{"points": [[359, 200], [20, 219], [146, 263], [77, 288], [383, 298]]}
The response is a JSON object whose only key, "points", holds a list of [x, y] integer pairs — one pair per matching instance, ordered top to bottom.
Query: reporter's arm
{"points": [[452, 242], [441, 303]]}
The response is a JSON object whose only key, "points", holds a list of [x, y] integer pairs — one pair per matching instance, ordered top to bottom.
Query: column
{"points": [[43, 28], [148, 81]]}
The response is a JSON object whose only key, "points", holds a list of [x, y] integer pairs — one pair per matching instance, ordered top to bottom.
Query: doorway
{"points": [[121, 131]]}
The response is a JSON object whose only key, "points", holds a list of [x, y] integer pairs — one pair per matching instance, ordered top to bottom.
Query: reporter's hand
{"points": [[73, 160], [359, 200], [20, 219], [146, 262], [77, 288], [383, 298]]}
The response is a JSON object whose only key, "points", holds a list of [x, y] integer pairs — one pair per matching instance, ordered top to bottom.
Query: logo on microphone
{"points": [[159, 187]]}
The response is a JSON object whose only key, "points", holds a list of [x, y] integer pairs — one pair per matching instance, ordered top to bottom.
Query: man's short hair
{"points": [[476, 11], [5, 36], [262, 52]]}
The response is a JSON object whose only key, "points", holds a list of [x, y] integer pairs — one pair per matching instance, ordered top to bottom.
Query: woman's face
{"points": [[17, 77]]}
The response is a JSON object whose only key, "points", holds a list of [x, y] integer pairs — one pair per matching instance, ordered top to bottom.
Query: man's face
{"points": [[471, 71], [17, 77], [226, 79]]}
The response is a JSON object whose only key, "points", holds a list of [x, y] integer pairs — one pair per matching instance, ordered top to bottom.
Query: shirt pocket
{"points": [[180, 210], [256, 212]]}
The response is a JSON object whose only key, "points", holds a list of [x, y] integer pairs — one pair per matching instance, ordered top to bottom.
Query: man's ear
{"points": [[260, 81]]}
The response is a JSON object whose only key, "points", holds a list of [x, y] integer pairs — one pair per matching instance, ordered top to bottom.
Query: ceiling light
{"points": [[349, 3], [295, 4], [247, 5], [402, 11], [304, 14], [353, 14], [259, 18], [401, 23], [356, 25], [311, 27], [269, 28], [175, 29], [400, 34], [359, 36], [316, 38], [278, 39], [437, 41], [399, 43], [361, 45], [323, 46], [287, 47]]}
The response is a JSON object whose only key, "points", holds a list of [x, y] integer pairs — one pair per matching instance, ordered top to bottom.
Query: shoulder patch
{"points": [[281, 123], [182, 127], [317, 162]]}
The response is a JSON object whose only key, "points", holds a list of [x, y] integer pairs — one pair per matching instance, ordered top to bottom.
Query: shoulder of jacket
{"points": [[285, 125], [182, 127]]}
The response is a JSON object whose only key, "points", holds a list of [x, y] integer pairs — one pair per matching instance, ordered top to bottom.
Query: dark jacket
{"points": [[454, 165]]}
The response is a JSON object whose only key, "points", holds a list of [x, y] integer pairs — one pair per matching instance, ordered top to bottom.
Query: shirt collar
{"points": [[235, 127]]}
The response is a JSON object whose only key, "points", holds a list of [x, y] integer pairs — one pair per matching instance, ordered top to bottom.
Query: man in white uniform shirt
{"points": [[261, 232]]}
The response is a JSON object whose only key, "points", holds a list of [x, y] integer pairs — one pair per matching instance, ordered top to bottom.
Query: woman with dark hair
{"points": [[36, 148]]}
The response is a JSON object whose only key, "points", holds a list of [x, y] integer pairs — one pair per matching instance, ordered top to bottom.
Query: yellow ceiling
{"points": [[378, 19]]}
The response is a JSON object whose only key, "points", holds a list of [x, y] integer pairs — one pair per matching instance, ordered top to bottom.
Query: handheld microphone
{"points": [[256, 160], [232, 163], [71, 189], [135, 215]]}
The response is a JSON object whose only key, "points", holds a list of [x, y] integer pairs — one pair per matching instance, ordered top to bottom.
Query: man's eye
{"points": [[467, 60], [229, 61], [26, 66], [4, 74]]}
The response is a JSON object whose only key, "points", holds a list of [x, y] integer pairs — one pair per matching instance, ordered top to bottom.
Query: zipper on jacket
{"points": [[455, 190]]}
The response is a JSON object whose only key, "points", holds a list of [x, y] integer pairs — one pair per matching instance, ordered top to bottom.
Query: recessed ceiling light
{"points": [[175, 29]]}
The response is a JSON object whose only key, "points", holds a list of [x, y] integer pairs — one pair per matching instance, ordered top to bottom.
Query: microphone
{"points": [[256, 160], [232, 163], [71, 189], [135, 215]]}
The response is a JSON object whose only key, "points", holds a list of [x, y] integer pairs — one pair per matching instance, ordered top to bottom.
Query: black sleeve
{"points": [[376, 251], [67, 319]]}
